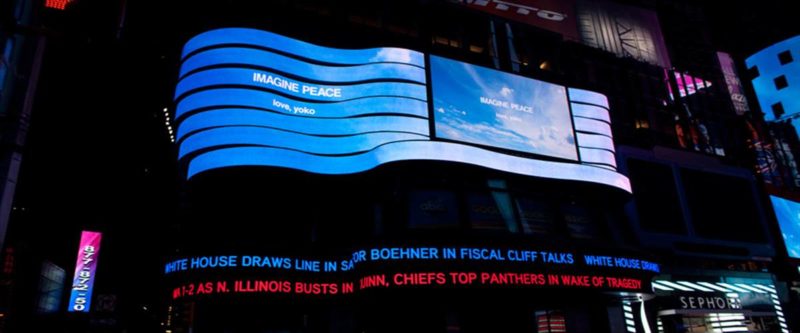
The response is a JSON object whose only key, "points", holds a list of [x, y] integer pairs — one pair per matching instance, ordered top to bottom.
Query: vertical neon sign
{"points": [[85, 269]]}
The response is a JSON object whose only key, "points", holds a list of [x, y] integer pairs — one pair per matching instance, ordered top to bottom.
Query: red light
{"points": [[57, 4]]}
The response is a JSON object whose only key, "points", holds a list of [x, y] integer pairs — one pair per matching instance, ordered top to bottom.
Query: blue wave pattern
{"points": [[288, 45], [233, 56], [272, 81], [222, 97], [253, 98], [311, 126], [336, 145], [404, 151]]}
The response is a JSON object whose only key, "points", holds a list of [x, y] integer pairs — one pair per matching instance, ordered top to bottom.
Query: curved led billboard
{"points": [[253, 98]]}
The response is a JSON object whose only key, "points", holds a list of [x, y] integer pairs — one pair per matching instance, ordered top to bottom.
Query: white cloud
{"points": [[392, 54], [506, 92]]}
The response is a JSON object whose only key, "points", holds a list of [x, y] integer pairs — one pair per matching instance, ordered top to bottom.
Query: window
{"points": [[531, 50], [785, 57], [752, 72], [780, 82], [777, 110], [656, 197], [721, 206], [432, 209], [491, 212], [537, 216], [579, 221], [51, 288], [550, 322]]}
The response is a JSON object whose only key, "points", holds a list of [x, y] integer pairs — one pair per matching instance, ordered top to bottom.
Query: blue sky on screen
{"points": [[483, 106], [788, 214]]}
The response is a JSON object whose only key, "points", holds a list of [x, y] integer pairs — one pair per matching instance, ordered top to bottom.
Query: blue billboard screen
{"points": [[776, 63], [253, 98], [491, 108], [788, 214]]}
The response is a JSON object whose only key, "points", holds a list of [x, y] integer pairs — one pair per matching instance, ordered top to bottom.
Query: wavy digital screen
{"points": [[253, 98], [488, 107], [788, 214]]}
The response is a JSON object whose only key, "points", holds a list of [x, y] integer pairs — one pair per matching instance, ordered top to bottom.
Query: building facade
{"points": [[677, 133], [378, 166]]}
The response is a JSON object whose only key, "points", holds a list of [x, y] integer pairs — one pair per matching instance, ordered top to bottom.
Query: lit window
{"points": [[57, 4]]}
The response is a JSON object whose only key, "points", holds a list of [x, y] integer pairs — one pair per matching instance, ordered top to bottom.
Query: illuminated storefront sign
{"points": [[687, 85], [253, 98], [409, 267], [85, 270], [704, 301], [723, 304]]}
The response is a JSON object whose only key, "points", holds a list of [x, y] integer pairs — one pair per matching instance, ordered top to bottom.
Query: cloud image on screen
{"points": [[483, 106], [788, 215]]}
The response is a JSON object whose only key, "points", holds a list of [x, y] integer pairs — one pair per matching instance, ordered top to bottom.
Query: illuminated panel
{"points": [[57, 4], [779, 62], [732, 82], [689, 85], [248, 88], [252, 98], [483, 106], [590, 111], [592, 126], [596, 141], [402, 151], [600, 156], [788, 214], [85, 269]]}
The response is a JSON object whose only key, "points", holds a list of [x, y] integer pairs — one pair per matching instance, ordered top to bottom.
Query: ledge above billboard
{"points": [[253, 98]]}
